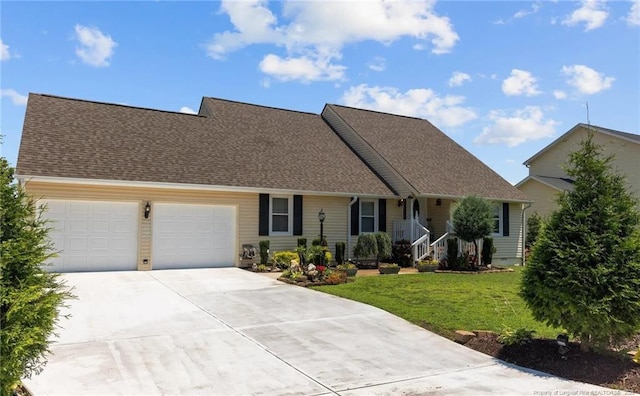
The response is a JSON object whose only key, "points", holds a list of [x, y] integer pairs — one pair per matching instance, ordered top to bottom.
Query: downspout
{"points": [[353, 200], [524, 236]]}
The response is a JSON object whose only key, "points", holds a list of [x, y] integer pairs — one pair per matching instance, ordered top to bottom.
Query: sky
{"points": [[501, 78]]}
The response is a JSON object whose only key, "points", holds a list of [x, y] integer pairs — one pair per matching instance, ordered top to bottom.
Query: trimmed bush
{"points": [[366, 246], [384, 246], [340, 249], [487, 250], [264, 252], [401, 253], [283, 258]]}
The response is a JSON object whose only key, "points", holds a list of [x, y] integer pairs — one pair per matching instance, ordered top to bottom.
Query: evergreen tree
{"points": [[473, 219], [533, 229], [584, 273], [30, 298]]}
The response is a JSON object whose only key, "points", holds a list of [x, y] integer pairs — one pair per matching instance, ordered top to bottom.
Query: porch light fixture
{"points": [[438, 202], [147, 210], [321, 217]]}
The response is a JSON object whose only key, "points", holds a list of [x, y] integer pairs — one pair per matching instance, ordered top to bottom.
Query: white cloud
{"points": [[523, 13], [592, 13], [633, 17], [313, 32], [95, 48], [4, 51], [378, 64], [303, 68], [458, 78], [586, 80], [521, 82], [558, 94], [16, 98], [187, 110], [444, 111], [522, 126]]}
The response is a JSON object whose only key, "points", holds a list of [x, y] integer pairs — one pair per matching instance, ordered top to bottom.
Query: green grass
{"points": [[445, 303]]}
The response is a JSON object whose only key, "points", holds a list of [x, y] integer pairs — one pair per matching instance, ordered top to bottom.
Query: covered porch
{"points": [[427, 225]]}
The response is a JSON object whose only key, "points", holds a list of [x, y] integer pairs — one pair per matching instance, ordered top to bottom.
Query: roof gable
{"points": [[633, 138], [238, 145], [429, 161]]}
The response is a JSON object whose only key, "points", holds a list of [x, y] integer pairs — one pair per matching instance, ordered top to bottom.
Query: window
{"points": [[281, 215], [367, 216], [497, 220]]}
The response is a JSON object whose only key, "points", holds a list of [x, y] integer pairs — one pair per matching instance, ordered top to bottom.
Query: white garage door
{"points": [[93, 235], [193, 236]]}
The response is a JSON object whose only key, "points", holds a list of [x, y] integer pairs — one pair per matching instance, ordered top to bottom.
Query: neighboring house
{"points": [[547, 176], [133, 188]]}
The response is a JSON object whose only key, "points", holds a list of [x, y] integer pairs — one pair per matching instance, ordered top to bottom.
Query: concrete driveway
{"points": [[232, 332]]}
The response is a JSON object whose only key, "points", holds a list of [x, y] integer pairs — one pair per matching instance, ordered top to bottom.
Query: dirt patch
{"points": [[610, 369]]}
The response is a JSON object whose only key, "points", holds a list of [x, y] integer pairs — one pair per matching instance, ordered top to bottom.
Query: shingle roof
{"points": [[624, 135], [241, 145], [426, 158], [560, 183]]}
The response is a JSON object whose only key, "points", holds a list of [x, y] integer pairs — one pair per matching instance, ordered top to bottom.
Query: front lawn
{"points": [[444, 303]]}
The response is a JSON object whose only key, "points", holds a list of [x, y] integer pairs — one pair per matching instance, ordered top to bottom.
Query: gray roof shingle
{"points": [[240, 145], [427, 159], [560, 183]]}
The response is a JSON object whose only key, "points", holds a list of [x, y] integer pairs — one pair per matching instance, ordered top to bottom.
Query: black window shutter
{"points": [[263, 214], [297, 215], [382, 215], [355, 218], [505, 219]]}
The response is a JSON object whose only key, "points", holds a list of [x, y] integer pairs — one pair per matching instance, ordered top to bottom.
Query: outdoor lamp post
{"points": [[321, 217], [563, 345]]}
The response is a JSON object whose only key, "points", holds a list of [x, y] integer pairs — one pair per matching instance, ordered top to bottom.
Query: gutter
{"points": [[353, 200]]}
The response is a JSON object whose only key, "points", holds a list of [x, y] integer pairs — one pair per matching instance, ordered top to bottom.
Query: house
{"points": [[546, 174], [133, 188]]}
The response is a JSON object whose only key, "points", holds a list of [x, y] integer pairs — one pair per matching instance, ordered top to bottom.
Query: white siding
{"points": [[509, 248]]}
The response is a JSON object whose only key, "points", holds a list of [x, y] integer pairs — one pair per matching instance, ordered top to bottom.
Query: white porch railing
{"points": [[411, 230], [439, 246], [421, 247]]}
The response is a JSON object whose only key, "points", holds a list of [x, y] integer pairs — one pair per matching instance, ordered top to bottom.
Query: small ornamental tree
{"points": [[473, 219], [533, 229], [584, 272], [30, 298]]}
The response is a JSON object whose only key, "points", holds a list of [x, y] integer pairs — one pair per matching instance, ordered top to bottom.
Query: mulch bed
{"points": [[609, 369]]}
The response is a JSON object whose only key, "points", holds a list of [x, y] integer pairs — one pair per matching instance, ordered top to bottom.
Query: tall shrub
{"points": [[383, 241], [366, 246], [340, 249], [487, 250], [264, 251], [452, 253], [584, 272], [30, 298]]}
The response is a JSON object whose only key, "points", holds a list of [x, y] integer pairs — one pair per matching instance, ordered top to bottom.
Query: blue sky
{"points": [[502, 78]]}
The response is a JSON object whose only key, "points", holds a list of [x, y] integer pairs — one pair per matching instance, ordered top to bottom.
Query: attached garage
{"points": [[93, 235], [193, 236]]}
